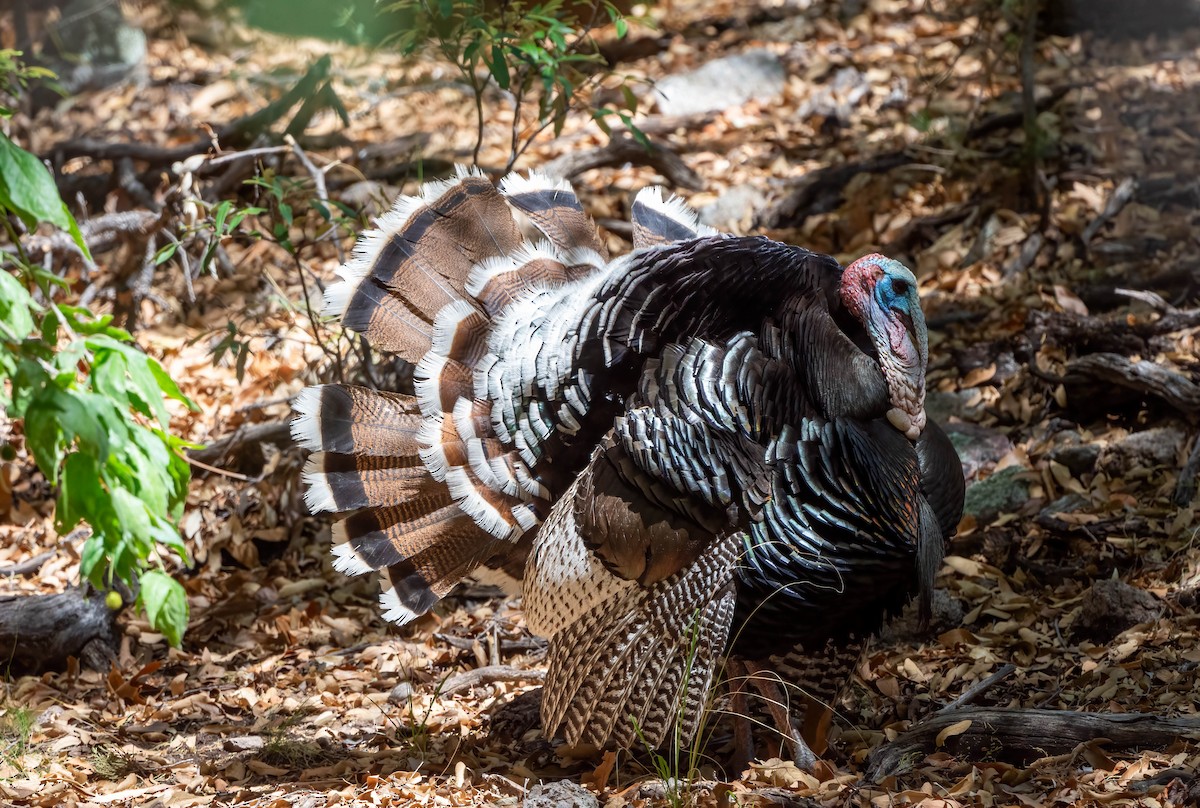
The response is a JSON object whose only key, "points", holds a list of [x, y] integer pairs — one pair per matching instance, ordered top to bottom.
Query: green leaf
{"points": [[499, 67], [27, 189], [166, 253], [16, 308], [166, 605]]}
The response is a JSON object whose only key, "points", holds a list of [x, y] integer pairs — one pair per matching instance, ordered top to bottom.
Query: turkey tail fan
{"points": [[554, 209], [659, 220], [416, 261]]}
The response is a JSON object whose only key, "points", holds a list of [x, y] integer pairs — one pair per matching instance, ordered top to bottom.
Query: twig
{"points": [[621, 150], [318, 178], [1121, 196], [1028, 254], [185, 263], [1152, 299], [214, 470], [1185, 486], [29, 566], [492, 673], [976, 690]]}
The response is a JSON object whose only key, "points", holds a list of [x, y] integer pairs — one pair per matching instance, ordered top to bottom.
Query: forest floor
{"points": [[1076, 563]]}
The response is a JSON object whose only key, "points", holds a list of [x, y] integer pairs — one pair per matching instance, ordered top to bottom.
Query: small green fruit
{"points": [[113, 600]]}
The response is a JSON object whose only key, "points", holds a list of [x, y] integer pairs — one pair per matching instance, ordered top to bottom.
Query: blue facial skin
{"points": [[897, 289]]}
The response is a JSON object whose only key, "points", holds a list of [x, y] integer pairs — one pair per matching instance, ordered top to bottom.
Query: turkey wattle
{"points": [[710, 446]]}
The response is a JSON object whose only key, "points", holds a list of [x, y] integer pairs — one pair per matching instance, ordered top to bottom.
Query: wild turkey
{"points": [[711, 445]]}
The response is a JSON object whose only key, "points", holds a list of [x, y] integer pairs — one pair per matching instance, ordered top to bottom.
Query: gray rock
{"points": [[96, 45], [722, 84], [735, 210], [941, 406], [978, 447], [1147, 449], [1079, 459], [1003, 491], [1110, 607], [401, 693], [244, 743], [560, 794]]}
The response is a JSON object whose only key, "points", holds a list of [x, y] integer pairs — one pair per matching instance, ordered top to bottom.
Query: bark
{"points": [[39, 632], [1022, 736]]}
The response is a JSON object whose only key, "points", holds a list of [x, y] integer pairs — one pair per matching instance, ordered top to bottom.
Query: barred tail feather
{"points": [[554, 209], [661, 220], [417, 259], [429, 489]]}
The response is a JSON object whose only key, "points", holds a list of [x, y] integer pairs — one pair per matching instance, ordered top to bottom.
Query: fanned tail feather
{"points": [[659, 220], [429, 489]]}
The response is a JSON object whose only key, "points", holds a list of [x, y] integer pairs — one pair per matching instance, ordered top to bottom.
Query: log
{"points": [[1110, 380], [39, 632], [1021, 736]]}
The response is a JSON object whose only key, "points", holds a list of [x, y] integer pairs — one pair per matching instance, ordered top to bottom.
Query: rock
{"points": [[95, 45], [722, 84], [735, 210], [941, 407], [978, 447], [1145, 450], [1079, 459], [1003, 491], [1110, 607], [946, 613], [401, 693], [244, 743], [560, 794]]}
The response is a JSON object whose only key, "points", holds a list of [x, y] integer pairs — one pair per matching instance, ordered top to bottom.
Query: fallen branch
{"points": [[621, 150], [820, 191], [1119, 199], [101, 233], [1103, 376], [241, 451], [29, 566], [39, 632], [484, 676], [972, 693], [1020, 736]]}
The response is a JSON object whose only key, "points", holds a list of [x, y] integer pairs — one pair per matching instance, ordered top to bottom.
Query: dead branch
{"points": [[621, 150], [821, 191], [1121, 196], [101, 234], [1114, 333], [1101, 377], [242, 451], [29, 566], [39, 632], [484, 676], [972, 693], [1020, 736]]}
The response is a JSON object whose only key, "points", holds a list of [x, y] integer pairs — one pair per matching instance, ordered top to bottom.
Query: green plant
{"points": [[535, 51], [95, 420], [16, 727], [677, 773]]}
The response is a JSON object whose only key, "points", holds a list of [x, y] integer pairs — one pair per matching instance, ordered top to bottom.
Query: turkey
{"points": [[712, 447]]}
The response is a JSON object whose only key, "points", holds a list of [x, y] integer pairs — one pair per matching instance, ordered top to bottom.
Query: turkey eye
{"points": [[899, 286]]}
